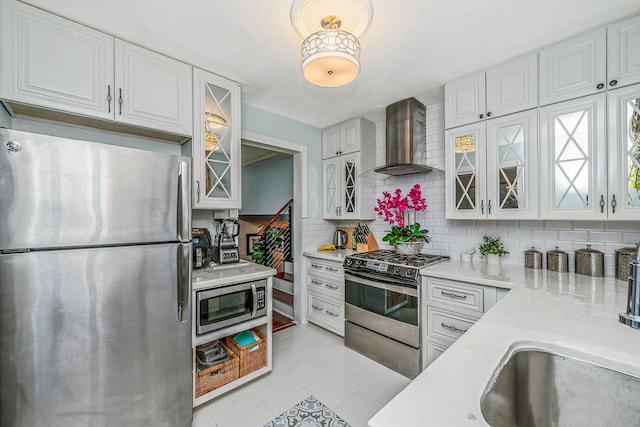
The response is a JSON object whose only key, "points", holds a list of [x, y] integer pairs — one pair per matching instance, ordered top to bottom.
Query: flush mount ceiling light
{"points": [[331, 56]]}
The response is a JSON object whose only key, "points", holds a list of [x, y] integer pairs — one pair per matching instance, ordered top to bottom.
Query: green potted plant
{"points": [[270, 240], [493, 248]]}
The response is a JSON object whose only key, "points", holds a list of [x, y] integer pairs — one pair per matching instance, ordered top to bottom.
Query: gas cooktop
{"points": [[390, 264]]}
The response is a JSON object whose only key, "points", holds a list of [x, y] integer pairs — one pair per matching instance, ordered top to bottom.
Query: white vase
{"points": [[408, 248], [493, 259]]}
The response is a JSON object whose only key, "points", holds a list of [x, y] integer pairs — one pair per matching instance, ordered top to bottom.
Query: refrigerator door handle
{"points": [[184, 202], [184, 281]]}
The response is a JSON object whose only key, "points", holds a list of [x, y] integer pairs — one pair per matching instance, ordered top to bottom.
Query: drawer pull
{"points": [[316, 266], [332, 269], [315, 282], [332, 286], [452, 295], [315, 307], [332, 314], [453, 328]]}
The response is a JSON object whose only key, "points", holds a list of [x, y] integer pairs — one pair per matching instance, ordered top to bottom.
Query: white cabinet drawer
{"points": [[323, 267], [329, 287], [454, 294], [326, 312], [447, 325], [434, 350]]}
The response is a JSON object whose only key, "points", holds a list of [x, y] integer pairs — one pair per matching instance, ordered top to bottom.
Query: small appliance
{"points": [[339, 239], [202, 247], [225, 249]]}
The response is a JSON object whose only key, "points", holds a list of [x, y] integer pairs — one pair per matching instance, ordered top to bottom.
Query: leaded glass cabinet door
{"points": [[216, 142], [465, 153], [624, 153], [573, 157], [511, 162], [331, 187], [350, 199]]}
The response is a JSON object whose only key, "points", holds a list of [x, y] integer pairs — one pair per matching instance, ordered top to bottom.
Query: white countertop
{"points": [[337, 255], [228, 274], [569, 313]]}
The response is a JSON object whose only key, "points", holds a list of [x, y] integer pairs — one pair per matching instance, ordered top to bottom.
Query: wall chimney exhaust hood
{"points": [[406, 144]]}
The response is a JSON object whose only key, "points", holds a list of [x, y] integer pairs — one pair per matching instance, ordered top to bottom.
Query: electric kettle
{"points": [[339, 239]]}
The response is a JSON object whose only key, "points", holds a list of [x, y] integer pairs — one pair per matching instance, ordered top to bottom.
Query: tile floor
{"points": [[306, 360]]}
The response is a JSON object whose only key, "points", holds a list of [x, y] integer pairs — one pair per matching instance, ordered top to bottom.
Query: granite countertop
{"points": [[337, 255], [244, 271], [562, 312]]}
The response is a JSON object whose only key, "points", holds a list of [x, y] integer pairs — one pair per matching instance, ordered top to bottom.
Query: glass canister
{"points": [[624, 257], [533, 258], [557, 260], [590, 262]]}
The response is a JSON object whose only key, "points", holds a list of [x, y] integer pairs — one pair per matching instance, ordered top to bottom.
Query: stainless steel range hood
{"points": [[406, 144]]}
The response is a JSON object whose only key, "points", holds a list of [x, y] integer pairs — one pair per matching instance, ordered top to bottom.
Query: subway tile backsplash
{"points": [[452, 237]]}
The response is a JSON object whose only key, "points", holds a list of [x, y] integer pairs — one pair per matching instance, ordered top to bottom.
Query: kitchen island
{"points": [[562, 312]]}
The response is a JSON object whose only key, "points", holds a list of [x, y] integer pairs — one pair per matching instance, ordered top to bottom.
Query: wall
{"points": [[269, 124], [266, 186], [452, 237]]}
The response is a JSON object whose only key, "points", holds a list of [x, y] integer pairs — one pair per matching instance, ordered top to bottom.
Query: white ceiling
{"points": [[412, 46]]}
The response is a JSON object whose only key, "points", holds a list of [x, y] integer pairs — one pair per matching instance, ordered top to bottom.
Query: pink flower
{"points": [[394, 207]]}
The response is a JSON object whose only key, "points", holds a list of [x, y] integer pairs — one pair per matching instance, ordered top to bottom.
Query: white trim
{"points": [[299, 153]]}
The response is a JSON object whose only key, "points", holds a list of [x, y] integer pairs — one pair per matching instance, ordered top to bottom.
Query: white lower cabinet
{"points": [[325, 294], [450, 309]]}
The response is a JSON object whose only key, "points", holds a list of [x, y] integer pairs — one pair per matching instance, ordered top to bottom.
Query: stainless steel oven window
{"points": [[392, 301]]}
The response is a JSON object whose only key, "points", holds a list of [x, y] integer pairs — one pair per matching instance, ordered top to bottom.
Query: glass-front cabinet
{"points": [[216, 142], [491, 164], [341, 187]]}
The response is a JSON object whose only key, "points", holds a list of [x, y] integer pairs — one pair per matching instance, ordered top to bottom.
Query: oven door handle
{"points": [[413, 292], [254, 298]]}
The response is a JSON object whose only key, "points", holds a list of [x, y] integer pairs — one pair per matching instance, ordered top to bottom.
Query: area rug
{"points": [[308, 413]]}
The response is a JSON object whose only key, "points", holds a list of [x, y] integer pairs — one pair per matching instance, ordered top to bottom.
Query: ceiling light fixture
{"points": [[331, 56]]}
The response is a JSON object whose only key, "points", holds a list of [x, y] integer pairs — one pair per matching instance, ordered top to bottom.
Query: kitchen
{"points": [[450, 237]]}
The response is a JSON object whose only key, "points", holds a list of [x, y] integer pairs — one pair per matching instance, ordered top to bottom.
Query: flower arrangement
{"points": [[396, 209]]}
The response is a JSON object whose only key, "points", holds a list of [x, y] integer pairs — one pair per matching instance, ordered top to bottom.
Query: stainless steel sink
{"points": [[536, 387]]}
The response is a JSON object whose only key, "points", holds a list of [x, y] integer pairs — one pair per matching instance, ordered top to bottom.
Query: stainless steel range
{"points": [[382, 307]]}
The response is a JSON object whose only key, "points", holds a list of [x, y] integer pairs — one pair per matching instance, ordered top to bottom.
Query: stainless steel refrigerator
{"points": [[95, 274]]}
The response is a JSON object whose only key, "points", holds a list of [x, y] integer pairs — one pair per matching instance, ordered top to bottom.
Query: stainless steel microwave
{"points": [[221, 307]]}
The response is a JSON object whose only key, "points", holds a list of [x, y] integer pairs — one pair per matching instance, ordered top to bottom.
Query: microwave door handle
{"points": [[254, 293]]}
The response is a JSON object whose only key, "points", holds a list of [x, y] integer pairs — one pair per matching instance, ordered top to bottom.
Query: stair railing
{"points": [[276, 243]]}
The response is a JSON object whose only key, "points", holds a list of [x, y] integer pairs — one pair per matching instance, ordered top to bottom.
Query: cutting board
{"points": [[349, 231]]}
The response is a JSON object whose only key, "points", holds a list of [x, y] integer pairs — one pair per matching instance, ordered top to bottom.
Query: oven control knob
{"points": [[348, 261], [396, 271], [409, 272]]}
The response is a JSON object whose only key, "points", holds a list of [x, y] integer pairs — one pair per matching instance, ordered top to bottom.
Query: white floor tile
{"points": [[281, 394], [358, 409], [248, 413]]}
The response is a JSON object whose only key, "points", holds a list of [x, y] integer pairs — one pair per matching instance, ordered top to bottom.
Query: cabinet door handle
{"points": [[613, 82], [600, 86], [109, 97], [120, 100], [489, 114], [482, 116], [337, 152], [198, 191], [586, 199], [602, 203], [613, 203], [482, 206], [489, 206], [315, 282], [332, 286], [452, 295], [315, 307], [331, 313], [453, 328]]}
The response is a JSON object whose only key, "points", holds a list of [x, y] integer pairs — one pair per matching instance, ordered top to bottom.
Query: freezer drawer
{"points": [[93, 337]]}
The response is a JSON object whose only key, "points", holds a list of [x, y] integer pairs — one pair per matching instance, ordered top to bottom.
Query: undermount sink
{"points": [[536, 387]]}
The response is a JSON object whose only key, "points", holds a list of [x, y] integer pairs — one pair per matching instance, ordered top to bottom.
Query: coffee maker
{"points": [[225, 249]]}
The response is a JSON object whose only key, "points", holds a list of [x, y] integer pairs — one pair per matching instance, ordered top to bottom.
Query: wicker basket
{"points": [[250, 360], [218, 375]]}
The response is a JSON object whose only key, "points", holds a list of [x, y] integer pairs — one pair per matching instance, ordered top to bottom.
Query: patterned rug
{"points": [[308, 413]]}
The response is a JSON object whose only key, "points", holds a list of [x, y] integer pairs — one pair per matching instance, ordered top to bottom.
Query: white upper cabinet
{"points": [[623, 52], [55, 63], [573, 68], [504, 89], [153, 91], [464, 100], [343, 138], [216, 142], [624, 153], [573, 166], [491, 168]]}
